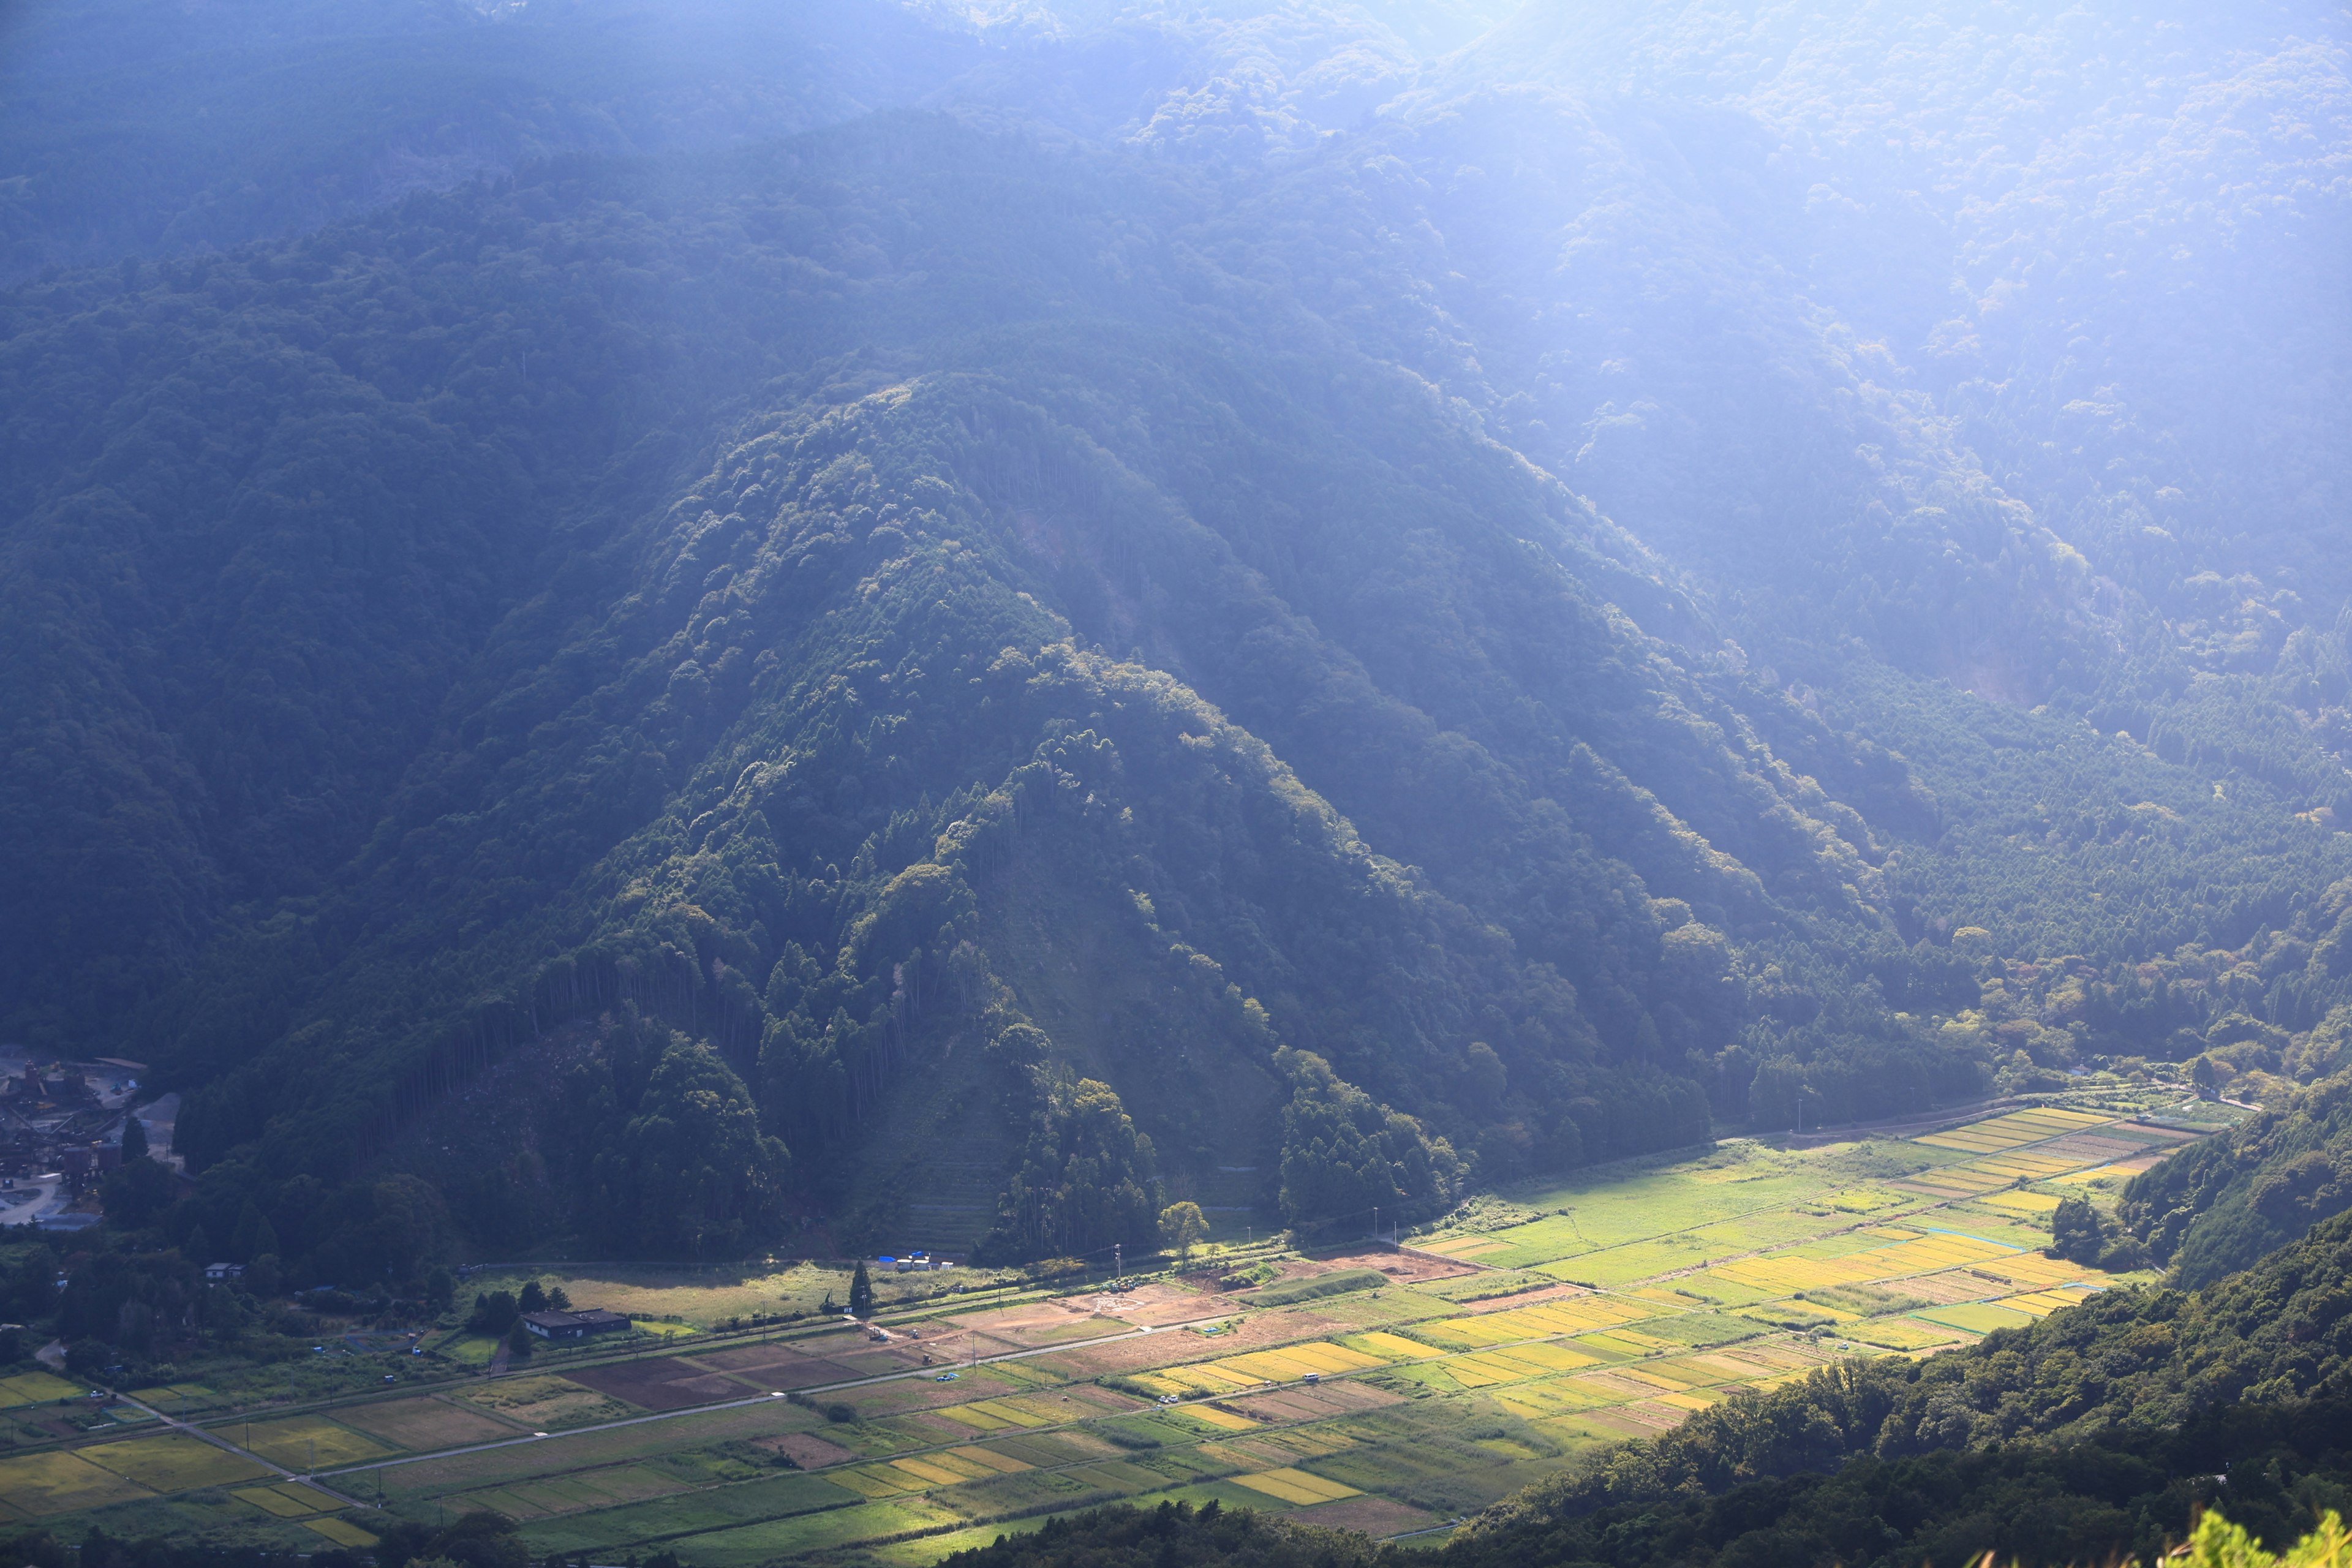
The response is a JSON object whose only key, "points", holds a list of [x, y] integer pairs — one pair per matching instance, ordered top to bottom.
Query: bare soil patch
{"points": [[1404, 1268], [1943, 1290], [1525, 1299], [1151, 1304], [816, 1347], [778, 1367], [664, 1382], [1341, 1397], [806, 1449], [1375, 1517]]}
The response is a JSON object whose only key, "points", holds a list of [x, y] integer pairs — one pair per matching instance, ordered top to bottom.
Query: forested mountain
{"points": [[841, 607]]}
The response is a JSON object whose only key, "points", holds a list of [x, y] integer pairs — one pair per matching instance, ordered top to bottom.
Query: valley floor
{"points": [[1386, 1390]]}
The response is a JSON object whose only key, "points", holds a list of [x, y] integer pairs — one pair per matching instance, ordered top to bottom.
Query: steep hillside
{"points": [[1023, 658], [2229, 1200]]}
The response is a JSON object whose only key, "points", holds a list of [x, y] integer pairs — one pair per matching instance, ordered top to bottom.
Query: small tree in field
{"points": [[1182, 1226], [2076, 1233], [861, 1293]]}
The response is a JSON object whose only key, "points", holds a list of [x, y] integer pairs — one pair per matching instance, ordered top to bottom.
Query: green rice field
{"points": [[1426, 1382]]}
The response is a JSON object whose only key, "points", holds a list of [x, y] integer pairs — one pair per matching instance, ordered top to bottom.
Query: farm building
{"points": [[573, 1325]]}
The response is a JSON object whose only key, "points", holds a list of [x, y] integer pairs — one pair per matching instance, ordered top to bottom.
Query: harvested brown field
{"points": [[2093, 1149], [1404, 1268], [1943, 1289], [1525, 1299], [815, 1347], [880, 1360], [662, 1382], [1340, 1397], [1653, 1414], [806, 1449], [1372, 1516]]}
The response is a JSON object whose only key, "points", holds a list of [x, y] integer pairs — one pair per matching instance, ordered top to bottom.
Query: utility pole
{"points": [[1376, 1222], [1118, 1266]]}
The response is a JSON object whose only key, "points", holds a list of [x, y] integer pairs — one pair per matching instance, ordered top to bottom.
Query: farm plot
{"points": [[2018, 1128], [1992, 1173], [2021, 1202], [1787, 1273], [2041, 1303], [1578, 1314], [1976, 1317], [1902, 1333], [1485, 1369], [1232, 1373], [673, 1383], [35, 1388], [172, 1399], [546, 1403], [1002, 1415], [425, 1424], [309, 1443], [567, 1454], [171, 1462], [36, 1486], [1296, 1486], [607, 1488], [287, 1500], [711, 1508], [343, 1533], [744, 1546]]}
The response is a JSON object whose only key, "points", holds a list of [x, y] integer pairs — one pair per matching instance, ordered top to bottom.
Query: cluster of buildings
{"points": [[63, 1119], [913, 1263]]}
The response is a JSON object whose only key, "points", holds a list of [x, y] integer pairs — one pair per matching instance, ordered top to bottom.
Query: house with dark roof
{"points": [[561, 1326]]}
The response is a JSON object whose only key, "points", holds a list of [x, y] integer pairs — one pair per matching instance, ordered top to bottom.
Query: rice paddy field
{"points": [[1488, 1351]]}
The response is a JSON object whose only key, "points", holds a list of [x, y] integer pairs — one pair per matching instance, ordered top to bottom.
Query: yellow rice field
{"points": [[2018, 1127], [1785, 1273], [2041, 1303], [1577, 1315], [1388, 1347], [1288, 1364], [1485, 1369], [35, 1388], [997, 1414], [1221, 1420], [307, 1442], [174, 1462], [40, 1484], [1296, 1486], [287, 1500], [341, 1532]]}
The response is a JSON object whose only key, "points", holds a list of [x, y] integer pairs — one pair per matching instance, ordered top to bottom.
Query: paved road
{"points": [[25, 1201], [912, 1373]]}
